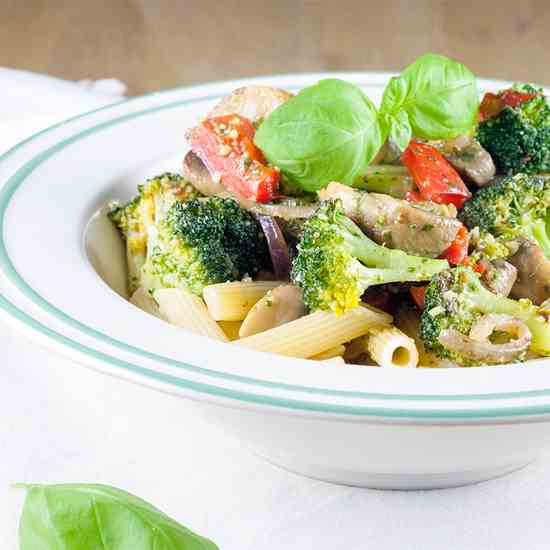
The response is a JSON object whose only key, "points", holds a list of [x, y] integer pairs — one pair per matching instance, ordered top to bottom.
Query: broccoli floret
{"points": [[518, 138], [158, 194], [155, 198], [517, 206], [124, 216], [127, 219], [137, 220], [202, 242], [486, 248], [337, 262], [456, 299]]}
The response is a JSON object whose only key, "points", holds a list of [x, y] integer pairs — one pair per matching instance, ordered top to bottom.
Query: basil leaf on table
{"points": [[438, 96], [329, 131], [90, 517]]}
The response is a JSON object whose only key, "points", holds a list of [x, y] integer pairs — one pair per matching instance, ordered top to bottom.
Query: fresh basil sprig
{"points": [[433, 98], [329, 131], [80, 517]]}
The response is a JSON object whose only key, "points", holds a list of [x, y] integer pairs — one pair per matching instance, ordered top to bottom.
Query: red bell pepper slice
{"points": [[513, 98], [492, 104], [225, 146], [435, 178], [457, 252], [478, 267], [418, 294]]}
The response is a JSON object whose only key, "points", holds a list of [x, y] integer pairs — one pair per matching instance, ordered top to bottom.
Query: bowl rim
{"points": [[22, 319]]}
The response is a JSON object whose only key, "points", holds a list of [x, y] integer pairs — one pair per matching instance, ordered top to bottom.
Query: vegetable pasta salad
{"points": [[320, 226]]}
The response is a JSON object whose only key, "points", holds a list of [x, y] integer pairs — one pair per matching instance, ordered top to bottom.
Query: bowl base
{"points": [[398, 481]]}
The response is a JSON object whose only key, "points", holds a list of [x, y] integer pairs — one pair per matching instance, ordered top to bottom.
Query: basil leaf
{"points": [[439, 96], [400, 129], [329, 131], [86, 517]]}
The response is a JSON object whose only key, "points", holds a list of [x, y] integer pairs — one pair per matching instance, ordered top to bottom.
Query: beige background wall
{"points": [[156, 44]]}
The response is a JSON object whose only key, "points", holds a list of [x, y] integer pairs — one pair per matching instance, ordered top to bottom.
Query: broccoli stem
{"points": [[392, 180], [536, 232], [394, 263], [372, 276], [487, 302]]}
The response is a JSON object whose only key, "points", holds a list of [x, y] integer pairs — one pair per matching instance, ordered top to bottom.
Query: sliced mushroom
{"points": [[252, 102], [469, 158], [196, 172], [288, 209], [445, 210], [290, 213], [394, 222], [533, 267], [499, 277], [279, 306], [478, 348]]}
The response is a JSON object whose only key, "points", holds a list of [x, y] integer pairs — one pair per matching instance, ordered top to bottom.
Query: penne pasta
{"points": [[142, 298], [232, 301], [278, 307], [186, 310], [408, 320], [231, 329], [316, 332], [390, 347], [336, 351], [357, 352]]}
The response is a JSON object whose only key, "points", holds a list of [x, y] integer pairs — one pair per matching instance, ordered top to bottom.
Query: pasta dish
{"points": [[323, 227]]}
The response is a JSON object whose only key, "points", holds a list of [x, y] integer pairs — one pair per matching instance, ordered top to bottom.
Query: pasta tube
{"points": [[142, 298], [232, 301], [279, 306], [186, 310], [408, 320], [231, 328], [316, 332], [390, 347], [336, 351]]}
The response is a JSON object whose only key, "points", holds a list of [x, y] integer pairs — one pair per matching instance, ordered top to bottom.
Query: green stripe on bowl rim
{"points": [[18, 178]]}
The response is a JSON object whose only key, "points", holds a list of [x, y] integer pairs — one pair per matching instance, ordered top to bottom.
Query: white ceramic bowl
{"points": [[62, 277]]}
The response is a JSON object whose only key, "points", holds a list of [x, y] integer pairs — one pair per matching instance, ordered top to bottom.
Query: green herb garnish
{"points": [[433, 98], [331, 131], [86, 517]]}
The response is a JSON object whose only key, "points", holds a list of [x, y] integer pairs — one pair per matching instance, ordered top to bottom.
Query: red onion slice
{"points": [[278, 249], [477, 345]]}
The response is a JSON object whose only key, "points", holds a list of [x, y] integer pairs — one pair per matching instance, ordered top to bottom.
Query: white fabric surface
{"points": [[30, 102], [60, 422]]}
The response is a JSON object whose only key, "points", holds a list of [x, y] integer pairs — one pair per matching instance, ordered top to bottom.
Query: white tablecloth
{"points": [[60, 422]]}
